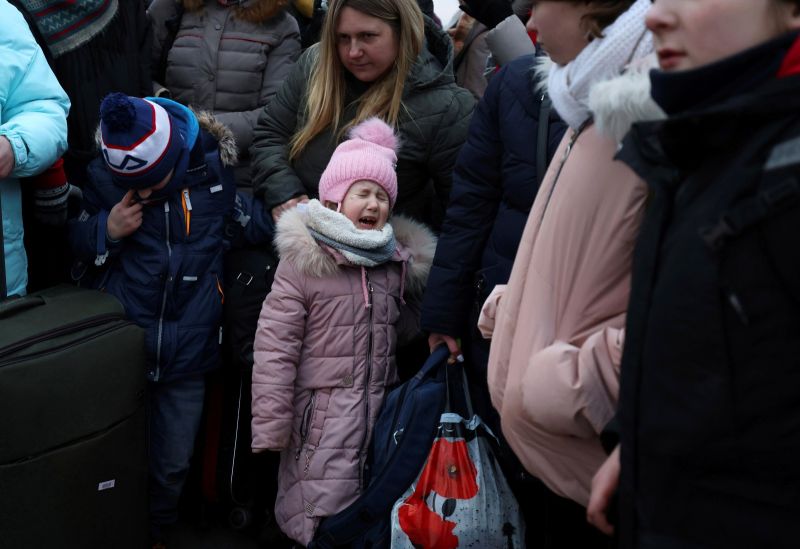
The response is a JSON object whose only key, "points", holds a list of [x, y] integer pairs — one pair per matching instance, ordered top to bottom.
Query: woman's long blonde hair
{"points": [[384, 98]]}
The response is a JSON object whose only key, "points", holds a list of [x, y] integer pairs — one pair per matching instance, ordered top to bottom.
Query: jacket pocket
{"points": [[305, 422], [312, 424]]}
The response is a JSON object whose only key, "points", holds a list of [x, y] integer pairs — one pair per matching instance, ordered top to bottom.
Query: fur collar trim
{"points": [[253, 11], [617, 103], [228, 152], [416, 245]]}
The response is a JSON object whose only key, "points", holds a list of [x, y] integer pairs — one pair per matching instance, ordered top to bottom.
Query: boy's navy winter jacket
{"points": [[494, 184], [168, 274]]}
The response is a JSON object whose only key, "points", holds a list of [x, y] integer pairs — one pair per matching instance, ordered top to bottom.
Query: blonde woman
{"points": [[375, 58]]}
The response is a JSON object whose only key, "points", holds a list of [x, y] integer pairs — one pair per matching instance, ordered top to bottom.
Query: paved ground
{"points": [[209, 528], [188, 536]]}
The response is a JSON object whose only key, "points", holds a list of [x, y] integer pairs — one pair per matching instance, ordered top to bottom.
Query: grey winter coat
{"points": [[228, 60], [432, 127], [324, 354]]}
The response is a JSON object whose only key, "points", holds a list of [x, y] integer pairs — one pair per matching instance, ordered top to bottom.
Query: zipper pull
{"points": [[187, 199], [166, 207], [738, 308], [220, 335]]}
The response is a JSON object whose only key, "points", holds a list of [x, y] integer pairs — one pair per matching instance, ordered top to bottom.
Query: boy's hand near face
{"points": [[125, 217]]}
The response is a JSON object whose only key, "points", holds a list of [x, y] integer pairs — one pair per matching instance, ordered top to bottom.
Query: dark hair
{"points": [[604, 12]]}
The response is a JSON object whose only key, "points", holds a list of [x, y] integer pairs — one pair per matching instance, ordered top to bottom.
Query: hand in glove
{"points": [[488, 12], [52, 194], [52, 205]]}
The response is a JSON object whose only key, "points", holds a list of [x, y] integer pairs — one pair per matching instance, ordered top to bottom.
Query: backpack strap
{"points": [[545, 106]]}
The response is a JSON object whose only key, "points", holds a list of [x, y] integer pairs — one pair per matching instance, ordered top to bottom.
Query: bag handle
{"points": [[432, 363], [464, 388]]}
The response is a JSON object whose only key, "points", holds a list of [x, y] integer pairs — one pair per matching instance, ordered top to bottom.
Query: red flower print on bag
{"points": [[450, 474]]}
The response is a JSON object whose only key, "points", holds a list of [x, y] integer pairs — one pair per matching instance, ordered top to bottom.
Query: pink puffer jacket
{"points": [[558, 335], [323, 359]]}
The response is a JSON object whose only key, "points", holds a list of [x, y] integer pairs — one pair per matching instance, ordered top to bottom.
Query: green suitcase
{"points": [[73, 465]]}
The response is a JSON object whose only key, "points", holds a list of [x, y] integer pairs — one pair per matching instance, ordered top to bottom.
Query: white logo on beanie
{"points": [[145, 153]]}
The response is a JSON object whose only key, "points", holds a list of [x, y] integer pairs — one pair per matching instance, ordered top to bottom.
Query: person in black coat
{"points": [[495, 181], [710, 392]]}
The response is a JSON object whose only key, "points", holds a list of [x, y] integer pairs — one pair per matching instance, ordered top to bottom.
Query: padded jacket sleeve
{"points": [[509, 40], [279, 65], [33, 106], [448, 141], [274, 179], [474, 199], [257, 224], [87, 232], [277, 347], [573, 390]]}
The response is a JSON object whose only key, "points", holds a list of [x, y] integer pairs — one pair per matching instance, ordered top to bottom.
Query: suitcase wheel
{"points": [[240, 518]]}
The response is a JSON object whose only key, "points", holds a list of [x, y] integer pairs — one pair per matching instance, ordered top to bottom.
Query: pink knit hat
{"points": [[370, 154]]}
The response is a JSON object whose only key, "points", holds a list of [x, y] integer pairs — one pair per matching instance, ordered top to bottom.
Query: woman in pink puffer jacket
{"points": [[346, 289]]}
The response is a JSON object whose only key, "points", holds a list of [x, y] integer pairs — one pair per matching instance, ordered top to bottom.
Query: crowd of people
{"points": [[593, 204]]}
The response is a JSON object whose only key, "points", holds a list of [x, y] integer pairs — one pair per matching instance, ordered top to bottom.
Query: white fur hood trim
{"points": [[618, 103], [295, 244]]}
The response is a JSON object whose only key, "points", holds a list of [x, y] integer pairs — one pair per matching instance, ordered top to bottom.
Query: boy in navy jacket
{"points": [[160, 210]]}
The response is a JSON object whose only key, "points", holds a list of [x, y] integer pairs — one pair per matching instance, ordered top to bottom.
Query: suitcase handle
{"points": [[15, 305]]}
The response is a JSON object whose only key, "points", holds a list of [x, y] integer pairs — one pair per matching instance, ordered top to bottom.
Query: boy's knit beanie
{"points": [[139, 140], [370, 154]]}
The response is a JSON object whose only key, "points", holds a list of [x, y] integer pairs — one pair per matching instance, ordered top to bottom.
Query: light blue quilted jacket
{"points": [[33, 117]]}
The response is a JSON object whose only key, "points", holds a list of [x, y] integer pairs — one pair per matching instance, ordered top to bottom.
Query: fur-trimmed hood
{"points": [[254, 11], [618, 103], [227, 143], [228, 153], [416, 245]]}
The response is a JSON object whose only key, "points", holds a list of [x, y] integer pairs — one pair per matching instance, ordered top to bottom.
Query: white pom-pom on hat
{"points": [[369, 155]]}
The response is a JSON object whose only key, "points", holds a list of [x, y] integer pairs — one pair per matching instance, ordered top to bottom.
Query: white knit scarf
{"points": [[625, 40], [364, 247]]}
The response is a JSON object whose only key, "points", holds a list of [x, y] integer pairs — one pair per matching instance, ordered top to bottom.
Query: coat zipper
{"points": [[186, 202], [163, 297], [91, 322], [367, 379]]}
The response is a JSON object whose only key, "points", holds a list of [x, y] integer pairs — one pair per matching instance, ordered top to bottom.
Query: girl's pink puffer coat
{"points": [[324, 354]]}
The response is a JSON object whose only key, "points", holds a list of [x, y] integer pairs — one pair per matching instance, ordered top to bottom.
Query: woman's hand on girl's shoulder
{"points": [[278, 210]]}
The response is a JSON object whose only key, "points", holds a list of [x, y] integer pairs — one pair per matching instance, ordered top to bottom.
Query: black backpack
{"points": [[401, 441]]}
